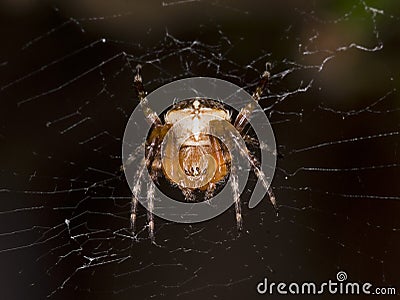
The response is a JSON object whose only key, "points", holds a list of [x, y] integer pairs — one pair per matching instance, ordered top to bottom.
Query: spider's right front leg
{"points": [[151, 117]]}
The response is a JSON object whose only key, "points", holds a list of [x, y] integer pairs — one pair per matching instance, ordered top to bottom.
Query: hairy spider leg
{"points": [[245, 113], [151, 117], [240, 123], [133, 156], [151, 157], [145, 163], [259, 173], [209, 191], [136, 194], [236, 197], [150, 200], [150, 204]]}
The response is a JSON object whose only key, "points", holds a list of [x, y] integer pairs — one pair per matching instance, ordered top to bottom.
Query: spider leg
{"points": [[263, 83], [150, 115], [244, 115], [240, 123], [262, 145], [274, 152], [132, 157], [148, 162], [153, 163], [259, 173], [210, 191], [135, 194], [188, 194], [236, 198], [150, 200], [134, 203], [150, 204]]}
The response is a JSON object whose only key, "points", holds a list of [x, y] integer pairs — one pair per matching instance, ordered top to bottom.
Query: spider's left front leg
{"points": [[245, 113]]}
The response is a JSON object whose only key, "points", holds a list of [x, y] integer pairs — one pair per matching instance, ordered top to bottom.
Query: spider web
{"points": [[67, 93]]}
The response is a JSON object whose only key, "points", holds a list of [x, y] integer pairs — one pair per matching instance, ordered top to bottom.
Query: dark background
{"points": [[66, 93]]}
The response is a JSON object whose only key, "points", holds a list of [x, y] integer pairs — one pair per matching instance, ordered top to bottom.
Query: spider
{"points": [[180, 168]]}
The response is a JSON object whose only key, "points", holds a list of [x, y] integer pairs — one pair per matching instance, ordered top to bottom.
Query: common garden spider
{"points": [[186, 164]]}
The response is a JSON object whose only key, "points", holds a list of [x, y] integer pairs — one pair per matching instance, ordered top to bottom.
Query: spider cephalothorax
{"points": [[182, 149]]}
